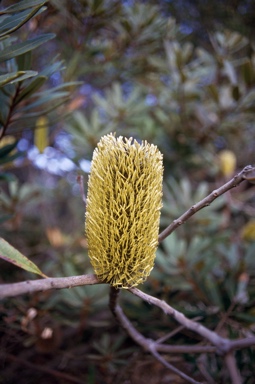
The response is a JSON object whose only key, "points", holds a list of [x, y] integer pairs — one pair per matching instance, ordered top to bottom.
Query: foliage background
{"points": [[163, 71]]}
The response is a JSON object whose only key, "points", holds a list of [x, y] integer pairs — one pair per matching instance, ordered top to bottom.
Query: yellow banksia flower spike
{"points": [[41, 135], [227, 162], [123, 210]]}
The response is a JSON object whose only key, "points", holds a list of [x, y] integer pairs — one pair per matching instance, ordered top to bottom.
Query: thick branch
{"points": [[237, 179], [30, 286]]}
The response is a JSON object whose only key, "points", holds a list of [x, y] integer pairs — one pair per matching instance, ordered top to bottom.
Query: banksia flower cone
{"points": [[123, 210]]}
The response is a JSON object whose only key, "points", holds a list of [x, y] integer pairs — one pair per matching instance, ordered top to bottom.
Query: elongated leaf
{"points": [[22, 5], [8, 22], [12, 23], [20, 48], [24, 61], [54, 67], [10, 77], [13, 77], [59, 87], [31, 88], [46, 99], [4, 110], [28, 119], [4, 151], [10, 158], [6, 176], [4, 218], [12, 255], [250, 318]]}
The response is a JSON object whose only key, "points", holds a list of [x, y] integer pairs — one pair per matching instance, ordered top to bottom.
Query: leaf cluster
{"points": [[145, 77], [21, 96]]}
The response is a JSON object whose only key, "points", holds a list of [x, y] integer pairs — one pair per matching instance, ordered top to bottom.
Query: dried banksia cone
{"points": [[123, 210]]}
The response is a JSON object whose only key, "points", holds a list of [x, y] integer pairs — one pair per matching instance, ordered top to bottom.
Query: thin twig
{"points": [[237, 179], [31, 286], [225, 316], [124, 321], [175, 331], [221, 343], [241, 343], [147, 344], [167, 348], [202, 366], [173, 368], [232, 368]]}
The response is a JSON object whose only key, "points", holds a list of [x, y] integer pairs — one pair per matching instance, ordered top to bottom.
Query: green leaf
{"points": [[22, 5], [12, 23], [20, 48], [24, 61], [52, 68], [248, 72], [13, 77], [60, 87], [31, 88], [214, 92], [48, 98], [5, 107], [4, 110], [29, 118], [7, 149], [9, 159], [6, 176], [4, 218], [12, 255], [214, 292], [250, 318]]}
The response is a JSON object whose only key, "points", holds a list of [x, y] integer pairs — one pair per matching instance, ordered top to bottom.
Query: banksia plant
{"points": [[123, 210]]}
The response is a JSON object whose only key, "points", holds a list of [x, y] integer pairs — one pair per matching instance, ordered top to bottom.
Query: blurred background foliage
{"points": [[179, 74]]}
